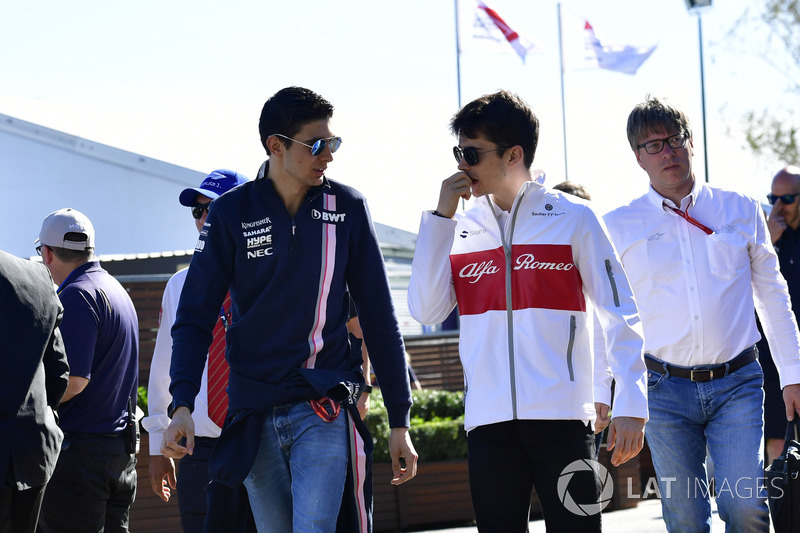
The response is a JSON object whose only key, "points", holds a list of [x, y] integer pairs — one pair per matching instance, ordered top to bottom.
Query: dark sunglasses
{"points": [[319, 145], [470, 154], [785, 199], [198, 209], [39, 249]]}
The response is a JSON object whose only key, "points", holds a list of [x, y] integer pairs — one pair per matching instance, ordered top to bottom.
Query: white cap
{"points": [[57, 224]]}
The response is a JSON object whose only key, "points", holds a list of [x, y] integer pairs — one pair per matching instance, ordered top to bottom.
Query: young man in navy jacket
{"points": [[289, 245]]}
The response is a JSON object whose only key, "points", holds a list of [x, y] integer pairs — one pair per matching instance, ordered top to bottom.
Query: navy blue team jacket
{"points": [[289, 279]]}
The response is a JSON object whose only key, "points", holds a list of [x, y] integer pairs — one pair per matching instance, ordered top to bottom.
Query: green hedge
{"points": [[141, 398], [437, 426]]}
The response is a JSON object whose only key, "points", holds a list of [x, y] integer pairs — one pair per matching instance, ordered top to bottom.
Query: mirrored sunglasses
{"points": [[319, 145]]}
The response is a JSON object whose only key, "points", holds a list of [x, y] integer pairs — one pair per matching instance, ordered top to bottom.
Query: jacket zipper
{"points": [[293, 218], [507, 248], [613, 282], [572, 327]]}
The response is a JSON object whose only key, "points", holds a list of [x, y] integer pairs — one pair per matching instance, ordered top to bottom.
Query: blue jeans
{"points": [[726, 417], [297, 480]]}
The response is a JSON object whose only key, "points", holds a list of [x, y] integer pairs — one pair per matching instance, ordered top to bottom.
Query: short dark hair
{"points": [[288, 110], [655, 115], [503, 118], [574, 189], [73, 256]]}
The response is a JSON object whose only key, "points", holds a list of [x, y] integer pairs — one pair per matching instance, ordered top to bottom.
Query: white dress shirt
{"points": [[696, 293], [158, 396]]}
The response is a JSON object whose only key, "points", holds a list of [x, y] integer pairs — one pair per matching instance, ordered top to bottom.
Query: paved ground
{"points": [[644, 518]]}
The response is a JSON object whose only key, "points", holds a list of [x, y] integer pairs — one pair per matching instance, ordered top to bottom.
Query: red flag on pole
{"points": [[489, 28]]}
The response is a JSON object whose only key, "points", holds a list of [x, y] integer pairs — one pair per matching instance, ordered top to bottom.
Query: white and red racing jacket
{"points": [[525, 290]]}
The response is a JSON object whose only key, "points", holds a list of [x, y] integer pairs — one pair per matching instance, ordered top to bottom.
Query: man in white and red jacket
{"points": [[526, 265]]}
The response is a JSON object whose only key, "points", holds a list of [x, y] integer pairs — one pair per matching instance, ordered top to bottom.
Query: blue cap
{"points": [[215, 184]]}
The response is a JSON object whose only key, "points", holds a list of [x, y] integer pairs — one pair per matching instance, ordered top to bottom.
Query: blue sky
{"points": [[184, 82]]}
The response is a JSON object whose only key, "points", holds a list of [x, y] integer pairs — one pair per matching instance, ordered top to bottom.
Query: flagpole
{"points": [[458, 58], [458, 76], [703, 93], [563, 106]]}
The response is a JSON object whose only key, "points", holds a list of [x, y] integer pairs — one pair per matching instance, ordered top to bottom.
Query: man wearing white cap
{"points": [[210, 404], [94, 482]]}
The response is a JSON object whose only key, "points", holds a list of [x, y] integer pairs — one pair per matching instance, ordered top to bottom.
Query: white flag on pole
{"points": [[482, 27], [582, 49]]}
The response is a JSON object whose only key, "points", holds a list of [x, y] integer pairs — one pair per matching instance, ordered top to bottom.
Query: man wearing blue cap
{"points": [[212, 401]]}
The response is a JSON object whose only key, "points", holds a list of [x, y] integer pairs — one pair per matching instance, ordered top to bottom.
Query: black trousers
{"points": [[508, 459], [92, 488], [206, 505], [19, 509]]}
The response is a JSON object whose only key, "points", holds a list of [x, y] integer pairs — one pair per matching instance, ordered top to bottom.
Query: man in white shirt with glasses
{"points": [[700, 261]]}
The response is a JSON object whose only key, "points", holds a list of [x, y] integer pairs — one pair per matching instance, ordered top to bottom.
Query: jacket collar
{"points": [[697, 192]]}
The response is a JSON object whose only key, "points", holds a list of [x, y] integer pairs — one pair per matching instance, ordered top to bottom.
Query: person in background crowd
{"points": [[574, 189], [783, 224], [34, 375], [603, 391], [211, 403], [94, 482]]}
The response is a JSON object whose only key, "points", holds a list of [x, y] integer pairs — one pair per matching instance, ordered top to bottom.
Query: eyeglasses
{"points": [[319, 145], [655, 146], [470, 154], [785, 199], [198, 209], [39, 249]]}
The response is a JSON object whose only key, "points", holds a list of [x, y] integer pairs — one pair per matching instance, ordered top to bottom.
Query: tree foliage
{"points": [[772, 132], [768, 135]]}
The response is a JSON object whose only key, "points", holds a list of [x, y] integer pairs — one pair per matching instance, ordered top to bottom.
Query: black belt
{"points": [[702, 374], [93, 435]]}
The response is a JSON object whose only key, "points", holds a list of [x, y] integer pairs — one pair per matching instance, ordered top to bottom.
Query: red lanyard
{"points": [[685, 215], [326, 409]]}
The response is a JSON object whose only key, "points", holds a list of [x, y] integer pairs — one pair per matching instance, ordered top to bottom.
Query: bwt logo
{"points": [[325, 216], [477, 270]]}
